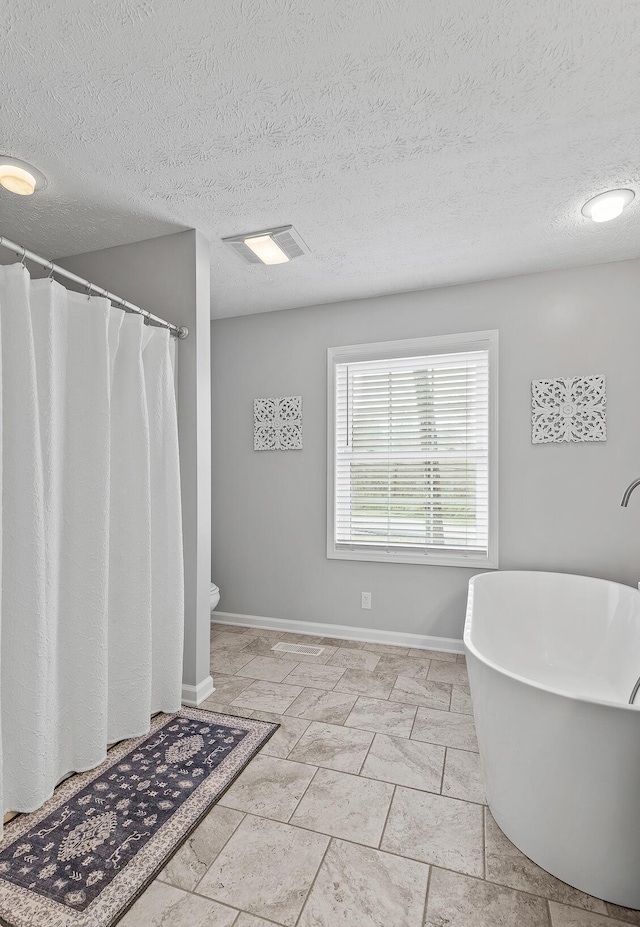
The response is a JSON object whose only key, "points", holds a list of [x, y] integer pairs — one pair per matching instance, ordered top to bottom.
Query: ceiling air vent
{"points": [[271, 246]]}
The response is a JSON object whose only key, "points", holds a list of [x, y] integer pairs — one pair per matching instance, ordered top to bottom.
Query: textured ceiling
{"points": [[412, 143]]}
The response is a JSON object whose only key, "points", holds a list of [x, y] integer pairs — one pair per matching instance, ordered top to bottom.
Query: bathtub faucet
{"points": [[628, 491]]}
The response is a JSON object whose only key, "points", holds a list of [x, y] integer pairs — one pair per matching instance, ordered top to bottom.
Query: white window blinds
{"points": [[412, 456]]}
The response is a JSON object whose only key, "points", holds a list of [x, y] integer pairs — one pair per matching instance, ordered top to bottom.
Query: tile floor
{"points": [[366, 809]]}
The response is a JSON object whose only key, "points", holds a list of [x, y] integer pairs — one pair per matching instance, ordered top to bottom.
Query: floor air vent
{"points": [[305, 649]]}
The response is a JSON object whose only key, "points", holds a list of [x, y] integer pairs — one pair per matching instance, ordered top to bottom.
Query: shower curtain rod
{"points": [[178, 331]]}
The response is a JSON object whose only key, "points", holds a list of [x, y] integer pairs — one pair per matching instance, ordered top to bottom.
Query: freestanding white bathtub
{"points": [[553, 660]]}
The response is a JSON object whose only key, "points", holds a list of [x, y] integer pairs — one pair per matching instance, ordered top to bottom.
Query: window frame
{"points": [[417, 347]]}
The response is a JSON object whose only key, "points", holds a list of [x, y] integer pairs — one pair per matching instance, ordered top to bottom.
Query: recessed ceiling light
{"points": [[20, 177], [606, 206], [270, 246], [267, 249]]}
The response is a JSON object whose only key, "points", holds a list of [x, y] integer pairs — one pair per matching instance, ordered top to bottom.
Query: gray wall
{"points": [[170, 276], [559, 504]]}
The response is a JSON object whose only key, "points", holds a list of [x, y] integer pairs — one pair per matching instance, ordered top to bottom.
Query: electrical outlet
{"points": [[366, 600]]}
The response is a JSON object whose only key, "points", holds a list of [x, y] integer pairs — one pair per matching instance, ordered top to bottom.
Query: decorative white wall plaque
{"points": [[568, 409], [277, 424]]}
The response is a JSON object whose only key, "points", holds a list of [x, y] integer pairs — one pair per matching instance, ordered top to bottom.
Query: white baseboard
{"points": [[347, 632], [192, 696]]}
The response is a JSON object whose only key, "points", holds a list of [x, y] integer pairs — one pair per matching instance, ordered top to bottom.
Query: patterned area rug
{"points": [[91, 850]]}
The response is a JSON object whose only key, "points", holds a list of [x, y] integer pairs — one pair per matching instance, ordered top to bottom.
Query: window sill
{"points": [[466, 561]]}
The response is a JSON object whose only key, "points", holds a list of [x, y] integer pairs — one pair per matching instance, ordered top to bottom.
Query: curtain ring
{"points": [[24, 256], [50, 275], [88, 289]]}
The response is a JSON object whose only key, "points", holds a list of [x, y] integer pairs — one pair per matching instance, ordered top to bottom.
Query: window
{"points": [[412, 473]]}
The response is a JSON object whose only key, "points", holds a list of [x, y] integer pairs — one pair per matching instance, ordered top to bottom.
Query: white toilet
{"points": [[214, 596]]}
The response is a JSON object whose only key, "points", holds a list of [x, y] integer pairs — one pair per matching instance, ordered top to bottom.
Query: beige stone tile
{"points": [[219, 627], [263, 632], [289, 637], [310, 639], [228, 641], [340, 642], [262, 647], [390, 649], [443, 655], [306, 658], [461, 658], [355, 659], [228, 661], [403, 666], [265, 668], [455, 673], [315, 677], [361, 682], [227, 688], [422, 692], [267, 696], [461, 700], [211, 705], [320, 705], [374, 714], [445, 727], [286, 737], [333, 746], [405, 762], [463, 776], [270, 787], [345, 806], [434, 829], [189, 864], [508, 866], [266, 869], [361, 887], [458, 901], [164, 904], [627, 915], [564, 916], [248, 920]]}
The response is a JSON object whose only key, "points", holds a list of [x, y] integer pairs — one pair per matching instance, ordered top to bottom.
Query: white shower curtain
{"points": [[91, 577]]}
